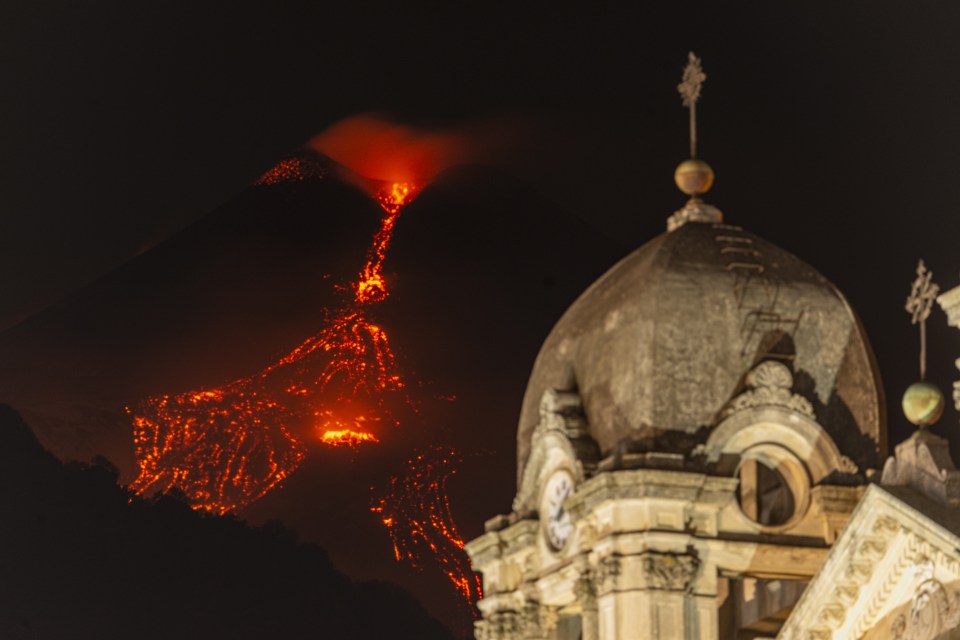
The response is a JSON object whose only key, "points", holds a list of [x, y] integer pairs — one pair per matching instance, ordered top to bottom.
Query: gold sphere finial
{"points": [[694, 177], [923, 404]]}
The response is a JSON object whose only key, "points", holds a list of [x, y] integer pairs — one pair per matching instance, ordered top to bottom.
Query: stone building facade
{"points": [[702, 454]]}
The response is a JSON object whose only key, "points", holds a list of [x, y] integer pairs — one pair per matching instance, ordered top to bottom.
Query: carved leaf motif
{"points": [[886, 525], [873, 547], [608, 570], [670, 571], [585, 587], [501, 625]]}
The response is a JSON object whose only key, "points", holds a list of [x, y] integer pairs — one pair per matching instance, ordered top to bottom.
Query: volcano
{"points": [[478, 269]]}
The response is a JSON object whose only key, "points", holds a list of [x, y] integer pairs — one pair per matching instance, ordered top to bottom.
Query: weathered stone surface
{"points": [[660, 344], [923, 463]]}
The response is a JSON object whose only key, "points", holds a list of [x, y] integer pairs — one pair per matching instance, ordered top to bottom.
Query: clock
{"points": [[556, 520]]}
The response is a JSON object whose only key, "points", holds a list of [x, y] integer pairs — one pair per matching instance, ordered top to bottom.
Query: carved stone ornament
{"points": [[695, 210], [771, 384], [670, 571], [607, 572], [585, 589], [933, 611], [538, 621], [501, 625]]}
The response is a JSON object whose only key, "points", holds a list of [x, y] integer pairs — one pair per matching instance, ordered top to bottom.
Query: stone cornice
{"points": [[647, 483], [496, 544]]}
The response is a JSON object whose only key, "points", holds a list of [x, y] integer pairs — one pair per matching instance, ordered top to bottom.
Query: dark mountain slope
{"points": [[82, 559]]}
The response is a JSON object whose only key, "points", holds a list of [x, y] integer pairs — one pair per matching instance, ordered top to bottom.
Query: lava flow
{"points": [[227, 446], [416, 511]]}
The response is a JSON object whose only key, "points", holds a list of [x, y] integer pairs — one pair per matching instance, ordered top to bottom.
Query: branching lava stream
{"points": [[227, 446]]}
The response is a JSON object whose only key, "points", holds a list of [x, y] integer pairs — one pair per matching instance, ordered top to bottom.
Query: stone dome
{"points": [[659, 346]]}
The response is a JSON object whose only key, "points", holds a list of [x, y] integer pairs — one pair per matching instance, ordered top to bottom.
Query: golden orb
{"points": [[693, 177], [923, 404]]}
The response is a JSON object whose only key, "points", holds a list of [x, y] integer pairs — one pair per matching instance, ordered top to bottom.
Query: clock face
{"points": [[557, 523]]}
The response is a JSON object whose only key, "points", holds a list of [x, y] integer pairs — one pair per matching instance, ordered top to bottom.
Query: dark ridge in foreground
{"points": [[80, 558]]}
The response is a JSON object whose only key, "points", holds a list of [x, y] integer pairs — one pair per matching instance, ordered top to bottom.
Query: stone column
{"points": [[950, 303], [586, 592], [650, 596]]}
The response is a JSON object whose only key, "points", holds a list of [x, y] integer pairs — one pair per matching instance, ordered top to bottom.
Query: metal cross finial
{"points": [[689, 88], [919, 304]]}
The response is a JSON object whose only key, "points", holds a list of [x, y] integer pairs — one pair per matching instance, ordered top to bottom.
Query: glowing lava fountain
{"points": [[227, 446], [416, 511]]}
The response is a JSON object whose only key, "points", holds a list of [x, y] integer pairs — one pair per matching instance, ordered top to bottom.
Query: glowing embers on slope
{"points": [[293, 169], [225, 447], [222, 448], [416, 511]]}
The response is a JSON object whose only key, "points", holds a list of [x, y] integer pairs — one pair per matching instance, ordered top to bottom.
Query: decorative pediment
{"points": [[746, 429], [893, 573]]}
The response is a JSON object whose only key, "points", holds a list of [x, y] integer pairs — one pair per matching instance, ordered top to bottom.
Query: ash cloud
{"points": [[378, 148]]}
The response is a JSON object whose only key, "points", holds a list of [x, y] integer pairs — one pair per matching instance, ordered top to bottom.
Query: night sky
{"points": [[832, 127]]}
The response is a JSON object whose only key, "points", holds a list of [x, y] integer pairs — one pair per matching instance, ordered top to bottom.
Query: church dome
{"points": [[660, 345]]}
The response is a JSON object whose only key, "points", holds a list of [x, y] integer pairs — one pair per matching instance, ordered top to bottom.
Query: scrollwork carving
{"points": [[771, 384], [561, 411]]}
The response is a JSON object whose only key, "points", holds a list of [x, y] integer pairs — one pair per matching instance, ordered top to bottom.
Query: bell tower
{"points": [[697, 430]]}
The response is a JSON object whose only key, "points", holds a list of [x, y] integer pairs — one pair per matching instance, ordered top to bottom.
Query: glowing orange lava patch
{"points": [[347, 438], [225, 447], [415, 510]]}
